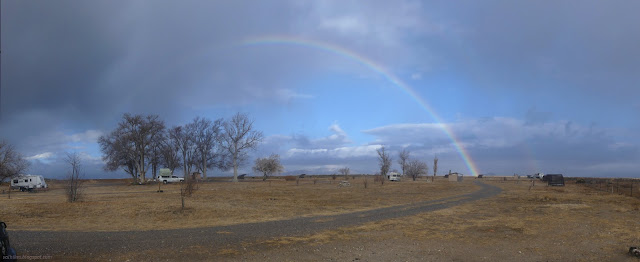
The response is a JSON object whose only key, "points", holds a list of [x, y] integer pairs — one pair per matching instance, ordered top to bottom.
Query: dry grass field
{"points": [[115, 205], [523, 223], [571, 223]]}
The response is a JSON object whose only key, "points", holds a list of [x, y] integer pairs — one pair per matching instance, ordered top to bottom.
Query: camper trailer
{"points": [[393, 176], [28, 182]]}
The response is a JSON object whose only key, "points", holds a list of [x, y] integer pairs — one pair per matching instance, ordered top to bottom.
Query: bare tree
{"points": [[239, 136], [182, 138], [129, 145], [118, 153], [156, 153], [208, 153], [170, 156], [403, 157], [384, 161], [12, 163], [268, 166], [415, 168], [435, 168], [345, 172], [73, 179], [187, 188]]}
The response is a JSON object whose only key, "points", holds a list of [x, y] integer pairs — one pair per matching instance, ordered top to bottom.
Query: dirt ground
{"points": [[523, 223]]}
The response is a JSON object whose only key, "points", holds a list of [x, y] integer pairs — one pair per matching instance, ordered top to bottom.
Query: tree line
{"points": [[143, 142], [413, 168]]}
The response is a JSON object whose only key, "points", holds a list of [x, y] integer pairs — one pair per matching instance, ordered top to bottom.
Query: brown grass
{"points": [[118, 206], [534, 220]]}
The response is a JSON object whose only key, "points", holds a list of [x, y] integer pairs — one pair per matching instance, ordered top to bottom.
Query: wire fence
{"points": [[622, 186]]}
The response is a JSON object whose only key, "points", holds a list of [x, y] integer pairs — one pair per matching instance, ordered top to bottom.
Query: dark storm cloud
{"points": [[79, 65]]}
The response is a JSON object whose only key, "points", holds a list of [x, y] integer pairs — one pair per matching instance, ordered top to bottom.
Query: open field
{"points": [[115, 205], [523, 223], [571, 223]]}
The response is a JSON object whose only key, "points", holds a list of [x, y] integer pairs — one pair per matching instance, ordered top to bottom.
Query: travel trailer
{"points": [[393, 176], [28, 182]]}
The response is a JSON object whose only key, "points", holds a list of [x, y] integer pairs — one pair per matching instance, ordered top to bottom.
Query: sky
{"points": [[487, 87]]}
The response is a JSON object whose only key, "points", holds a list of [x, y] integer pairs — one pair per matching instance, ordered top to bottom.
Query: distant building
{"points": [[455, 177]]}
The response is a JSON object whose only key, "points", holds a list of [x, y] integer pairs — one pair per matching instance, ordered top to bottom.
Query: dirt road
{"points": [[70, 245]]}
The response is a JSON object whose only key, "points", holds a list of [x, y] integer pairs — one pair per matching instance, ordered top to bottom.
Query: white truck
{"points": [[166, 176], [28, 182]]}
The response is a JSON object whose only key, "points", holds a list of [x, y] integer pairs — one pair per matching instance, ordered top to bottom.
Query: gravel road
{"points": [[82, 244]]}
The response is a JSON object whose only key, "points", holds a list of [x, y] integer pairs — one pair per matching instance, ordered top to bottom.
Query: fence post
{"points": [[631, 188]]}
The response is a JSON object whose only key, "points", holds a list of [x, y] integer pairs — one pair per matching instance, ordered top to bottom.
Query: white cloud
{"points": [[345, 25], [416, 76], [288, 94], [487, 132], [89, 136], [338, 138], [340, 152], [41, 156]]}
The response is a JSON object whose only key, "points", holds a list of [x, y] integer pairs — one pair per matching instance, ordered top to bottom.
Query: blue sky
{"points": [[526, 87]]}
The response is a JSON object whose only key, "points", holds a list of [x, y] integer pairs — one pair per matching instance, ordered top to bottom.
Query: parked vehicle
{"points": [[536, 175], [166, 176], [393, 176], [170, 179], [28, 182], [7, 252]]}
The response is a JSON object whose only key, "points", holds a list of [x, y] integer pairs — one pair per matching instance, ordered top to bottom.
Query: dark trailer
{"points": [[554, 179]]}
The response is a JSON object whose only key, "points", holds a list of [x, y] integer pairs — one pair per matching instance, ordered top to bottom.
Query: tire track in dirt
{"points": [[61, 244]]}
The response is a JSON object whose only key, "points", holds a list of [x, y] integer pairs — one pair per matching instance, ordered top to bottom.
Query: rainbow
{"points": [[346, 53]]}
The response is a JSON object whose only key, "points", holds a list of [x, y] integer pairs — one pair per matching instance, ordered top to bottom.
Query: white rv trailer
{"points": [[393, 176], [28, 182]]}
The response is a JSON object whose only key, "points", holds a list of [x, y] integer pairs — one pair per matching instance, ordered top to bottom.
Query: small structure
{"points": [[196, 175], [302, 175], [242, 176], [455, 177], [554, 179]]}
